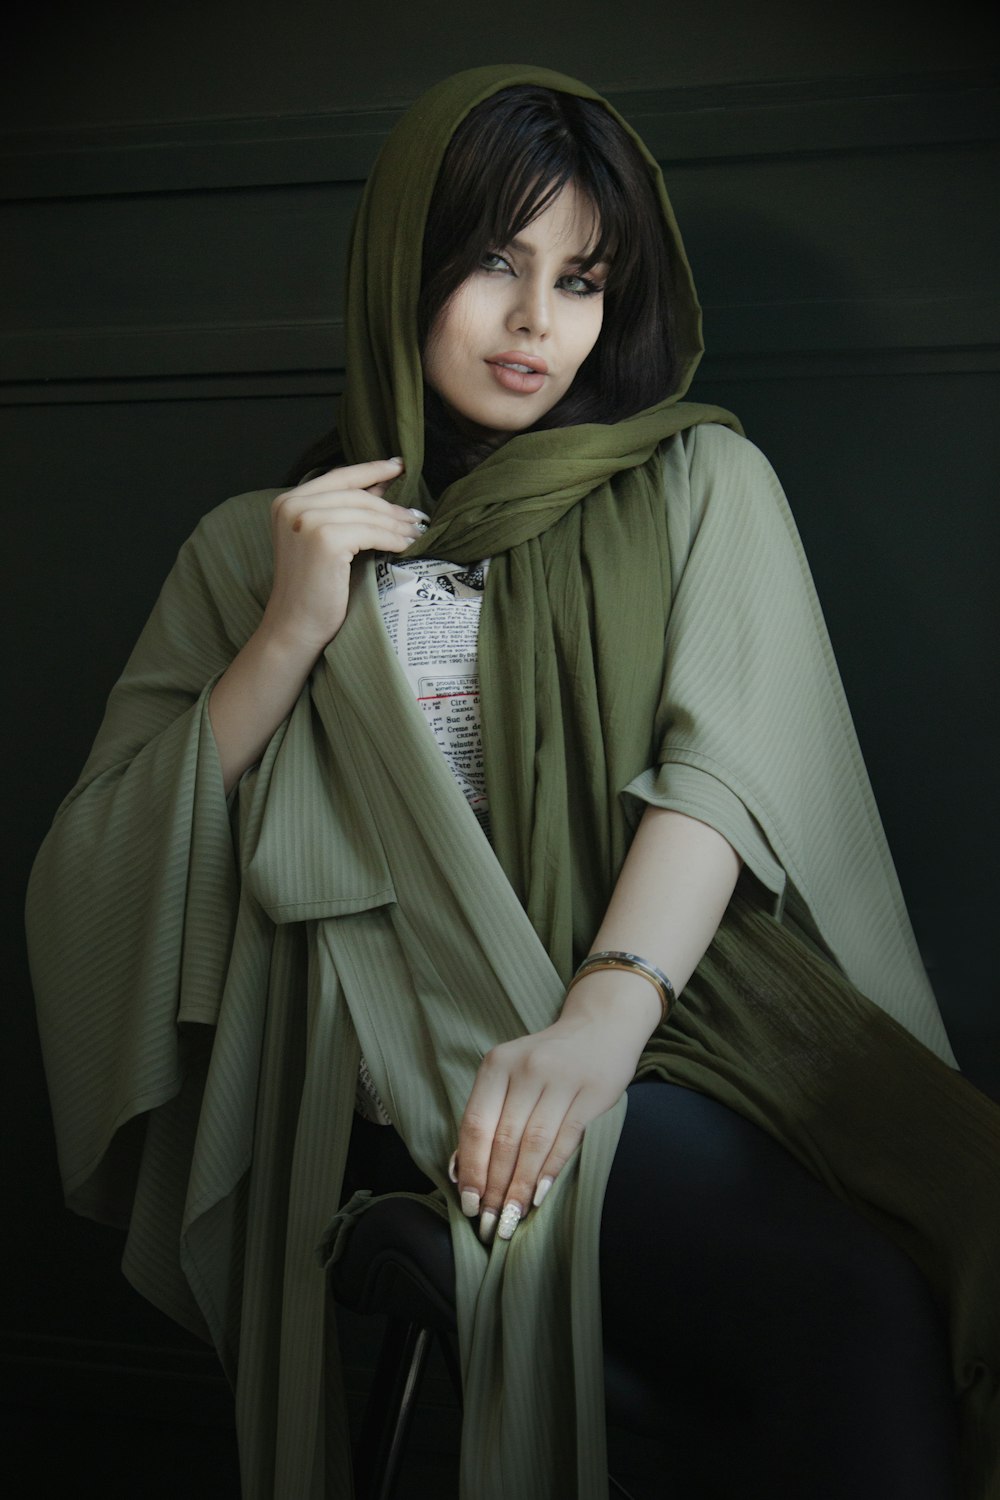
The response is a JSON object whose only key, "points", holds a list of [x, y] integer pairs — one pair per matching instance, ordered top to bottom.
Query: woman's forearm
{"points": [[252, 697], [670, 897], [534, 1096]]}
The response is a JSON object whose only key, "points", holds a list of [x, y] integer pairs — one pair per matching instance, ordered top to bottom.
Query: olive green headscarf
{"points": [[571, 639]]}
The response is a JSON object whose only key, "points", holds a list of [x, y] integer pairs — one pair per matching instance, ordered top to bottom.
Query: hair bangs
{"points": [[522, 186], [525, 187]]}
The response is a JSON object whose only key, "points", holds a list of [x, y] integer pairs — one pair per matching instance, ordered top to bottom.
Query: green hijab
{"points": [[571, 637]]}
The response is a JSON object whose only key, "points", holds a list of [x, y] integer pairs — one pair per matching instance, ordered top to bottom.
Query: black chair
{"points": [[398, 1264]]}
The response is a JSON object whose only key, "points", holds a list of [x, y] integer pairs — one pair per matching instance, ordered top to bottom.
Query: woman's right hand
{"points": [[317, 531]]}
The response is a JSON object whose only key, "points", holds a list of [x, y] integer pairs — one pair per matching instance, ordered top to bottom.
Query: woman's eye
{"points": [[491, 261], [580, 286]]}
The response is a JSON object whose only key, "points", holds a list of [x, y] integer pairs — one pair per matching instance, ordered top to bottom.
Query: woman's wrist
{"points": [[283, 649], [253, 696], [624, 998]]}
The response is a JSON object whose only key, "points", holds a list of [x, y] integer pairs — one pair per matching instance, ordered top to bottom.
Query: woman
{"points": [[521, 327]]}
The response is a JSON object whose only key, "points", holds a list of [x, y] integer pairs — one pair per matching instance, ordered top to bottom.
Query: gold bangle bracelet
{"points": [[631, 962]]}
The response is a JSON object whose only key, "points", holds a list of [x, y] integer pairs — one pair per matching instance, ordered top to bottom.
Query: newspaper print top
{"points": [[431, 611]]}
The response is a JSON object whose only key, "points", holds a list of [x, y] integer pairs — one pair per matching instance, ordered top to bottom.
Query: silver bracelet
{"points": [[609, 959]]}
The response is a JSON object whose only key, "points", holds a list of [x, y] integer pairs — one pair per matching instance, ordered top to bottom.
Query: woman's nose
{"points": [[531, 310]]}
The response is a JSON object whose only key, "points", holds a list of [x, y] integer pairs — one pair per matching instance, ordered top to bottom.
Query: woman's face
{"points": [[506, 346]]}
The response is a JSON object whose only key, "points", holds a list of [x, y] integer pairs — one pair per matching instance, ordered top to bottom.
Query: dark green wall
{"points": [[177, 182]]}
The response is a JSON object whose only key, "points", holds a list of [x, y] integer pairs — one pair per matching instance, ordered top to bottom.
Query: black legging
{"points": [[785, 1348], [795, 1351]]}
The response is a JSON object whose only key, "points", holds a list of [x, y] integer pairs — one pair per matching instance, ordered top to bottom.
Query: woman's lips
{"points": [[522, 373]]}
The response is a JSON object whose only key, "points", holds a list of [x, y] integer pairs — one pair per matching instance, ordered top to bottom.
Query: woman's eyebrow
{"points": [[524, 248]]}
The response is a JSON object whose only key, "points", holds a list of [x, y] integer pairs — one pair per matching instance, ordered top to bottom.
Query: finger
{"points": [[353, 477], [285, 509], [419, 515], [352, 517], [350, 531], [344, 543], [477, 1129], [508, 1139], [566, 1143], [535, 1158]]}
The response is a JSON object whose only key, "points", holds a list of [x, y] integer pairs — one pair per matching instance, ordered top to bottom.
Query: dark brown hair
{"points": [[507, 161]]}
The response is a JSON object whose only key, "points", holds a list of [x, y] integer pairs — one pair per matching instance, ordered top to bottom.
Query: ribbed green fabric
{"points": [[371, 907], [206, 977]]}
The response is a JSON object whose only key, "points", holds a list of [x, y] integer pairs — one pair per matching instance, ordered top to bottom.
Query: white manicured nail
{"points": [[420, 515], [453, 1168], [541, 1191], [470, 1203], [509, 1220], [487, 1226]]}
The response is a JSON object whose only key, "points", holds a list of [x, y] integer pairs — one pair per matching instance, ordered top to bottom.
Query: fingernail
{"points": [[395, 460], [420, 515], [420, 527], [453, 1168], [541, 1191], [470, 1203], [509, 1220], [487, 1226]]}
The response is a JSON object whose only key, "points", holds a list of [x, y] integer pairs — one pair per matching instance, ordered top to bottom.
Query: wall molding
{"points": [[681, 125], [693, 127], [752, 340], [327, 384]]}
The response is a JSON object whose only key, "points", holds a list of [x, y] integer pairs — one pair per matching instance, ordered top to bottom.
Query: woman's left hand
{"points": [[533, 1098]]}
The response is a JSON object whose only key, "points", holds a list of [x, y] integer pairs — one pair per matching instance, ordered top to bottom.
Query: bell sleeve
{"points": [[754, 732], [133, 898]]}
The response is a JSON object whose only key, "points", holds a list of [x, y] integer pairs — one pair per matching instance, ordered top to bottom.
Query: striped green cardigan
{"points": [[207, 975]]}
